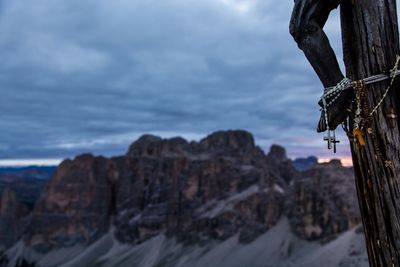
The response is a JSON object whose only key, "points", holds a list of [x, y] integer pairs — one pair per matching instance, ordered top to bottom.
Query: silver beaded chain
{"points": [[336, 91], [331, 94]]}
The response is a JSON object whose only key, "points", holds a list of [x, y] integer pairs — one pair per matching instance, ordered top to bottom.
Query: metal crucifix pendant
{"points": [[331, 139]]}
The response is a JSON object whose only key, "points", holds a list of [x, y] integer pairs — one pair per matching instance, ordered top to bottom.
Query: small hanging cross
{"points": [[331, 139]]}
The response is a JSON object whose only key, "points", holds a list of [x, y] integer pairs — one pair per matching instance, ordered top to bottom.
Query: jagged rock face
{"points": [[228, 141], [223, 143], [150, 145], [277, 154], [283, 166], [170, 186], [176, 191], [196, 192], [323, 202], [76, 205], [11, 210]]}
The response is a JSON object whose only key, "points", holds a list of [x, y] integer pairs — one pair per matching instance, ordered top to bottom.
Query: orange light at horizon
{"points": [[346, 161]]}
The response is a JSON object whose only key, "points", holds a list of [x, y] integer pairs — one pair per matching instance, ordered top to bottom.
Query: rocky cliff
{"points": [[161, 185], [196, 193], [323, 202], [76, 205], [11, 214]]}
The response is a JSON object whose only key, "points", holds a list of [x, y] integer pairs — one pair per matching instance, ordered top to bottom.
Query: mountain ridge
{"points": [[197, 193]]}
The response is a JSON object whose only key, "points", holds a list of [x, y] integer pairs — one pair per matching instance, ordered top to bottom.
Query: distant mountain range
{"points": [[304, 164], [36, 172], [27, 182], [219, 202]]}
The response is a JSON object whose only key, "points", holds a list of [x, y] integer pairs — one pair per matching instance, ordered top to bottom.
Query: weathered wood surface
{"points": [[370, 44]]}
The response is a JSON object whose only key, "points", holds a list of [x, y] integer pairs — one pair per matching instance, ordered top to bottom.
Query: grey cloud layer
{"points": [[93, 75]]}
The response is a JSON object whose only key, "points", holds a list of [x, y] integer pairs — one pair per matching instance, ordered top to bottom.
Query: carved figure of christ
{"points": [[306, 26]]}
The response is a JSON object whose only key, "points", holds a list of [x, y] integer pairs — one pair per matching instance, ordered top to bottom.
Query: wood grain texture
{"points": [[370, 45]]}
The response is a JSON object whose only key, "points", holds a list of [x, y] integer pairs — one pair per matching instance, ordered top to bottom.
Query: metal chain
{"points": [[393, 73], [335, 91], [325, 113], [361, 113], [357, 114]]}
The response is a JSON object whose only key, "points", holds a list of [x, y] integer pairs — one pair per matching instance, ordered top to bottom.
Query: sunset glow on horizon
{"points": [[347, 161]]}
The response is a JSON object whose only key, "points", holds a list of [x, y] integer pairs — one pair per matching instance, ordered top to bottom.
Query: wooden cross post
{"points": [[370, 37], [370, 45]]}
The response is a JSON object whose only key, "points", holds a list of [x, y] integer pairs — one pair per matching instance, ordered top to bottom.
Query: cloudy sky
{"points": [[91, 76]]}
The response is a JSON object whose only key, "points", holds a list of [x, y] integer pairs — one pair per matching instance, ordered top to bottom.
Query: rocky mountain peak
{"points": [[231, 139], [221, 142], [151, 145], [277, 153], [335, 163], [281, 166], [196, 193], [324, 200], [76, 205]]}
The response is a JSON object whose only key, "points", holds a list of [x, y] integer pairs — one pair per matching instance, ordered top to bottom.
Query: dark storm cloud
{"points": [[93, 75]]}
